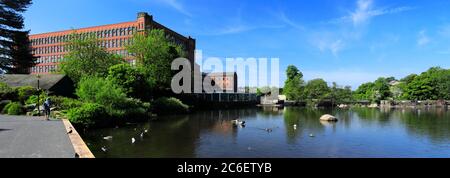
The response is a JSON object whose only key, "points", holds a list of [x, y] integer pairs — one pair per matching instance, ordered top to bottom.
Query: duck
{"points": [[238, 122], [295, 126], [108, 138], [133, 140], [104, 149]]}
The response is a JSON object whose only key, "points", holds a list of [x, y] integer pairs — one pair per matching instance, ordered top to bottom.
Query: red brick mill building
{"points": [[50, 47]]}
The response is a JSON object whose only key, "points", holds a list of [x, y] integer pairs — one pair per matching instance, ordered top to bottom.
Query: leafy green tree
{"points": [[12, 38], [154, 52], [87, 58], [131, 79], [433, 84], [293, 86], [317, 89], [382, 89], [101, 91], [365, 91], [340, 95]]}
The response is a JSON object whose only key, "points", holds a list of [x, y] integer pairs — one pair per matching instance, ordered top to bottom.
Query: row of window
{"points": [[99, 34], [116, 43], [59, 58], [49, 59], [44, 69]]}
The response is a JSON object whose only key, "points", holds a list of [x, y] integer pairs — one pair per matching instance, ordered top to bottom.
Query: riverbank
{"points": [[34, 137]]}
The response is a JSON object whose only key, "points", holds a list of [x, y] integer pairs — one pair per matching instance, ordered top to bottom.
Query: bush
{"points": [[131, 79], [101, 91], [25, 92], [7, 93], [33, 99], [63, 103], [3, 104], [169, 106], [14, 108], [132, 108], [89, 114]]}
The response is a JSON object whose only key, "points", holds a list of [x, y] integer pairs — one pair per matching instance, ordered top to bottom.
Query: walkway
{"points": [[33, 137]]}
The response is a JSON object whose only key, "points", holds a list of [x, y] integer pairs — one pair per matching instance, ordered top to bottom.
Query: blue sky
{"points": [[346, 41]]}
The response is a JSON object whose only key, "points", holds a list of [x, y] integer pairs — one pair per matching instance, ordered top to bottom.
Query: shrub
{"points": [[131, 79], [101, 91], [25, 92], [7, 93], [33, 99], [63, 103], [3, 104], [169, 106], [14, 108], [132, 108], [89, 114]]}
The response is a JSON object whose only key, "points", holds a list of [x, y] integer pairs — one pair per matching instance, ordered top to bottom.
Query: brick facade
{"points": [[50, 47]]}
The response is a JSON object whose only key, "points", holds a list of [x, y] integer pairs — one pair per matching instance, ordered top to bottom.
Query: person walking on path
{"points": [[47, 105]]}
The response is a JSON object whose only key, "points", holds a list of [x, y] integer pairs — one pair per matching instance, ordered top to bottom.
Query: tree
{"points": [[11, 23], [154, 52], [21, 54], [87, 58], [131, 79], [433, 84], [293, 86], [317, 89], [382, 89], [101, 91], [365, 92], [340, 95]]}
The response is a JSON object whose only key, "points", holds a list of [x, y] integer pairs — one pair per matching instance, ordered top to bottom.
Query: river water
{"points": [[270, 133]]}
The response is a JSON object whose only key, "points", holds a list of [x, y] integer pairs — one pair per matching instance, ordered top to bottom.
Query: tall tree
{"points": [[11, 25], [154, 52], [21, 54], [87, 58], [293, 86]]}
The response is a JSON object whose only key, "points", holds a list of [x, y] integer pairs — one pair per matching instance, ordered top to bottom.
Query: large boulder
{"points": [[328, 117]]}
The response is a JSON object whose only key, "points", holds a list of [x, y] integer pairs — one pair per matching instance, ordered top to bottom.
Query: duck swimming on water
{"points": [[238, 122]]}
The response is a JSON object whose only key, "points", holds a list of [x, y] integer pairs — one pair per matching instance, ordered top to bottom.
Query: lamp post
{"points": [[38, 89]]}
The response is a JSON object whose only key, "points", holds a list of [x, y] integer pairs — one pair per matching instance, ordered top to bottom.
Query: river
{"points": [[270, 133]]}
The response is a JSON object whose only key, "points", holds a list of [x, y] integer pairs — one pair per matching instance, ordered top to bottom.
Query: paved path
{"points": [[32, 137]]}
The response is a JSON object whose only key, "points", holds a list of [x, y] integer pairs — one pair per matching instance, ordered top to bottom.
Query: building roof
{"points": [[46, 81]]}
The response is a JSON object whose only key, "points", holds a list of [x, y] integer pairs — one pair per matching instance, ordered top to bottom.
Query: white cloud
{"points": [[177, 5], [365, 10], [282, 16], [423, 39], [329, 46]]}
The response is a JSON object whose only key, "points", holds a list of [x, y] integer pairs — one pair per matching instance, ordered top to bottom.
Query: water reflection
{"points": [[283, 132]]}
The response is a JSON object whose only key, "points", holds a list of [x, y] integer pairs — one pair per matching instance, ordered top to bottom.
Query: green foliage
{"points": [[11, 25], [155, 52], [87, 58], [131, 79], [433, 84], [293, 86], [317, 89], [101, 91], [25, 92], [374, 92], [7, 93], [341, 95], [33, 99], [63, 103], [3, 104], [169, 106], [13, 108], [88, 114]]}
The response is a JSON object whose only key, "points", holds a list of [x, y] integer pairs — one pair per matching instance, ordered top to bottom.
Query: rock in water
{"points": [[328, 117]]}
